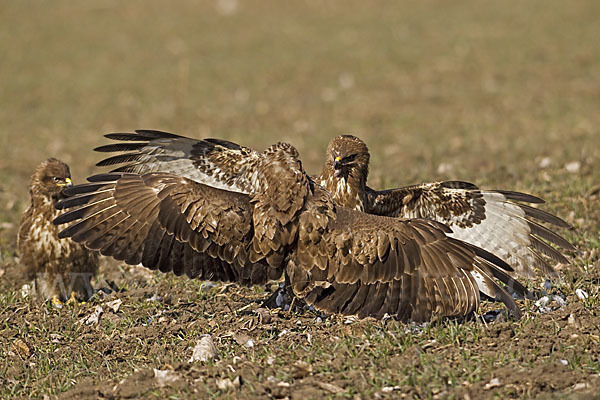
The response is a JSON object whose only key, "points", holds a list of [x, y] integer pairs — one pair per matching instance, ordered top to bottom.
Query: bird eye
{"points": [[349, 158], [55, 179]]}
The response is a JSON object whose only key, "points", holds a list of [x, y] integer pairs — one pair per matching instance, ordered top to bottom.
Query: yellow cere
{"points": [[338, 159]]}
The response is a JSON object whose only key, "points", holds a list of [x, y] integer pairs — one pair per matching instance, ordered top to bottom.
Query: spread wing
{"points": [[214, 162], [497, 221], [168, 223], [370, 265]]}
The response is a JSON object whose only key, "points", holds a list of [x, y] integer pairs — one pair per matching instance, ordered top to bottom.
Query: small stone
{"points": [[545, 162], [573, 167], [581, 294], [154, 297], [559, 300], [542, 303], [114, 305], [573, 320], [55, 337], [243, 340], [204, 350], [270, 360], [564, 362], [165, 377], [494, 382], [224, 384], [580, 386], [330, 387]]}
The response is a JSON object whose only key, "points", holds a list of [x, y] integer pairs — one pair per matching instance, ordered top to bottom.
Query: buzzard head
{"points": [[347, 156], [50, 178]]}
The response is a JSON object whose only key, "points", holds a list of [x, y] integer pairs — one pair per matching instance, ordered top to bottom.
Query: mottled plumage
{"points": [[218, 163], [496, 220], [337, 259], [58, 267]]}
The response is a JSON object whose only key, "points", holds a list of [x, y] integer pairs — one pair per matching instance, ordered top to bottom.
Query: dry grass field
{"points": [[502, 94]]}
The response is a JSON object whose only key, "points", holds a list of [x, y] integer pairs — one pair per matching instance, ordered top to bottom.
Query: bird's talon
{"points": [[72, 300], [56, 302]]}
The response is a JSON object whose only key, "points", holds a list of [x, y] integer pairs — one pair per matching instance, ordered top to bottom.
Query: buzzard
{"points": [[498, 221], [337, 259], [59, 268]]}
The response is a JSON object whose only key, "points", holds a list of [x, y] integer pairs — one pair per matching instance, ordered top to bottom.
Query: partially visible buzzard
{"points": [[495, 220], [499, 221], [337, 259], [59, 268]]}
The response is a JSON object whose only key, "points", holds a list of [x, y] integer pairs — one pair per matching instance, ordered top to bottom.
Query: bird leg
{"points": [[281, 298], [285, 299], [72, 300], [56, 302]]}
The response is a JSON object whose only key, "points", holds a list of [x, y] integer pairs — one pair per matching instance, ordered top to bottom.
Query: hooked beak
{"points": [[337, 166], [68, 183]]}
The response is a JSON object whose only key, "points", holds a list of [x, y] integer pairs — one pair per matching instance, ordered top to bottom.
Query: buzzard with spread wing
{"points": [[498, 221], [337, 259], [58, 268]]}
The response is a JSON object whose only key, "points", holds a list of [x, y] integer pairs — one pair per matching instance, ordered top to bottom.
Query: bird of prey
{"points": [[498, 221], [337, 259], [60, 268]]}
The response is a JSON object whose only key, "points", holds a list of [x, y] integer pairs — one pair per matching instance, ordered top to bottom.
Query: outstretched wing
{"points": [[214, 162], [495, 220], [168, 223], [369, 265]]}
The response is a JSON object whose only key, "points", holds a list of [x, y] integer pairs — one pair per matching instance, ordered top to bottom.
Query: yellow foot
{"points": [[72, 300], [56, 302]]}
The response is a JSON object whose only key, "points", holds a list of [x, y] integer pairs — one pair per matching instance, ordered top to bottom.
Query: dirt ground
{"points": [[505, 95], [273, 354]]}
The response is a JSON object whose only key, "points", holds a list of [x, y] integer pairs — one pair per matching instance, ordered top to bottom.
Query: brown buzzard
{"points": [[495, 220], [499, 221], [337, 259], [59, 268]]}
